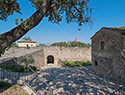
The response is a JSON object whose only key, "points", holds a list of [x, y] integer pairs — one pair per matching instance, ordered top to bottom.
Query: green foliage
{"points": [[7, 8], [74, 10], [21, 19], [17, 21], [27, 25], [122, 27], [60, 44], [71, 44], [78, 44], [14, 45], [3, 48], [27, 59], [76, 63], [14, 67], [35, 68], [14, 87]]}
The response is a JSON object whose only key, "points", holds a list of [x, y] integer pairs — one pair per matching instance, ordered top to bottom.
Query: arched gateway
{"points": [[50, 59]]}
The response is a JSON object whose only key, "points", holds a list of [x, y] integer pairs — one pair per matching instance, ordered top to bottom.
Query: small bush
{"points": [[27, 59], [77, 63], [13, 67], [35, 68], [14, 87]]}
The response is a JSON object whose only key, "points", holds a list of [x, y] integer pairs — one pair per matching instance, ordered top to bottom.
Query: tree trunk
{"points": [[16, 33]]}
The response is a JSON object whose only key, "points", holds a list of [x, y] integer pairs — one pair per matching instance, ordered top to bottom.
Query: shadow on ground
{"points": [[72, 81], [4, 86]]}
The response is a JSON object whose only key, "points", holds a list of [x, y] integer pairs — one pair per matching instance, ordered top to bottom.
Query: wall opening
{"points": [[102, 45], [50, 59], [96, 63]]}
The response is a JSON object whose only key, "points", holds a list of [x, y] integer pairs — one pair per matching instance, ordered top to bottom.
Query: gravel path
{"points": [[65, 81], [72, 81]]}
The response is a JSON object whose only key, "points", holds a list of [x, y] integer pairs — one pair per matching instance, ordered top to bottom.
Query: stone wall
{"points": [[53, 51], [61, 53], [40, 54], [75, 54], [38, 57], [109, 61]]}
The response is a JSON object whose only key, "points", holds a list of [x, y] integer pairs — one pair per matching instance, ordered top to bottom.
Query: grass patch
{"points": [[77, 63], [14, 67], [35, 68], [14, 87]]}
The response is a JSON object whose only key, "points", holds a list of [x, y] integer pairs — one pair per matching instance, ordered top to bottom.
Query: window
{"points": [[102, 45], [96, 63]]}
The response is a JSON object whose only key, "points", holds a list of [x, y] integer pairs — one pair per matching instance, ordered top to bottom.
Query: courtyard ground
{"points": [[67, 81], [72, 81]]}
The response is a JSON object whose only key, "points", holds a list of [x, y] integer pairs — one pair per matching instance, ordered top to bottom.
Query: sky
{"points": [[106, 13]]}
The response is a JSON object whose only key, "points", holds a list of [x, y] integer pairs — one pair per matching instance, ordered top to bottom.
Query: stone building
{"points": [[27, 43], [108, 52], [49, 55]]}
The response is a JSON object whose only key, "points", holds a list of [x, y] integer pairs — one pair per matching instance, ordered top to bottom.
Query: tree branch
{"points": [[75, 7], [17, 32]]}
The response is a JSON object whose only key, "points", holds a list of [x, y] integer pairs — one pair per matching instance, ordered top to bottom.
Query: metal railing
{"points": [[36, 75], [9, 76], [13, 77], [25, 77], [120, 91]]}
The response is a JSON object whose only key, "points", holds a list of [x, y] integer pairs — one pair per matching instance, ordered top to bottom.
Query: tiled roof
{"points": [[26, 41]]}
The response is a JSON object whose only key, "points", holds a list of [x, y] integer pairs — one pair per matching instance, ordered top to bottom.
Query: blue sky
{"points": [[106, 13]]}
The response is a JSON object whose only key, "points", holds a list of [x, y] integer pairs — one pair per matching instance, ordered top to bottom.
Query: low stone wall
{"points": [[40, 54]]}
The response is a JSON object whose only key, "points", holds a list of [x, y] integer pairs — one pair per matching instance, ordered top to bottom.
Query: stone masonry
{"points": [[108, 52], [56, 53], [61, 53]]}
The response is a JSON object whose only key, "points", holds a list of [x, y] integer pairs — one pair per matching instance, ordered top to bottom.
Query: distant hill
{"points": [[71, 44]]}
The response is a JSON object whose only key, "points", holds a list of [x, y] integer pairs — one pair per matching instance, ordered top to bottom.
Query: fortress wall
{"points": [[54, 51], [59, 53], [67, 54], [75, 54], [38, 57]]}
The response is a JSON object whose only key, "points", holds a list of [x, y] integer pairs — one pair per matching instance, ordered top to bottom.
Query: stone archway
{"points": [[50, 60]]}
